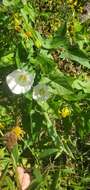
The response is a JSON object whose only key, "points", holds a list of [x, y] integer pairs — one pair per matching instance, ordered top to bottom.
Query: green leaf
{"points": [[10, 3], [28, 10], [58, 40], [76, 55], [17, 58], [6, 60], [44, 61], [61, 79], [82, 85], [57, 88], [60, 90], [51, 130], [67, 150], [47, 152], [59, 152], [15, 153], [37, 174], [2, 178], [86, 179], [10, 183]]}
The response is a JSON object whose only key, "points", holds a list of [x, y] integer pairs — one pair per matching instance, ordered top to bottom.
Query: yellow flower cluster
{"points": [[72, 2], [27, 34], [38, 43], [65, 112], [18, 132]]}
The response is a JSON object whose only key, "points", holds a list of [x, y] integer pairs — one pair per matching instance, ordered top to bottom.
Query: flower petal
{"points": [[20, 81], [40, 92], [20, 171], [24, 178], [26, 181]]}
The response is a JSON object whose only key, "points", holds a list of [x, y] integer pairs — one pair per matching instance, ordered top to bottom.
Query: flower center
{"points": [[23, 78], [42, 92]]}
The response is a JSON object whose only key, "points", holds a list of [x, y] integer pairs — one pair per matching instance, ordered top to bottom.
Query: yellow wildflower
{"points": [[72, 2], [17, 22], [18, 28], [27, 34], [38, 43], [65, 112], [1, 126], [18, 132]]}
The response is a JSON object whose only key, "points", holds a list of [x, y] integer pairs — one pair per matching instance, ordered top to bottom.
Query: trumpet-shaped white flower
{"points": [[20, 81], [40, 92]]}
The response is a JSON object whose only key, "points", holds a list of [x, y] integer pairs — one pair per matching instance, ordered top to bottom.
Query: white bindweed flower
{"points": [[20, 81], [40, 92]]}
